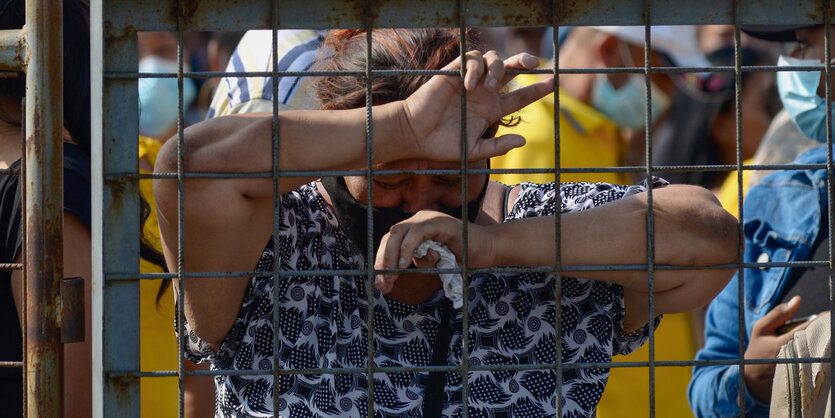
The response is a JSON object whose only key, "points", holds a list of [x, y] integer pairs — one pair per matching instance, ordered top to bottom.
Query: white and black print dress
{"points": [[323, 324]]}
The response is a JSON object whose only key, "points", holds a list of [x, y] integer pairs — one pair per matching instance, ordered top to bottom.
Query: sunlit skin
{"points": [[418, 128], [412, 193], [691, 227]]}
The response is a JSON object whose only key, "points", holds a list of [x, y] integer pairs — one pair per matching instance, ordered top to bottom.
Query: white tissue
{"points": [[452, 281]]}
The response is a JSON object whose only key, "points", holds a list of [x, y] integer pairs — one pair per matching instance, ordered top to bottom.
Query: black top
{"points": [[77, 202]]}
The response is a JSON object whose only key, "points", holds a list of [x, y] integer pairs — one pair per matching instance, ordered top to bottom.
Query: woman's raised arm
{"points": [[229, 221]]}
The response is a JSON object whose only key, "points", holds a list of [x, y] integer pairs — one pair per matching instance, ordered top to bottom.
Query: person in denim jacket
{"points": [[782, 217], [782, 222]]}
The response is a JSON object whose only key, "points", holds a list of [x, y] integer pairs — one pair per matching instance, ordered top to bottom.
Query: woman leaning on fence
{"points": [[321, 226]]}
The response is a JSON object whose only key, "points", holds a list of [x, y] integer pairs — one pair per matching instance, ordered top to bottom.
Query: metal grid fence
{"points": [[119, 73], [115, 176]]}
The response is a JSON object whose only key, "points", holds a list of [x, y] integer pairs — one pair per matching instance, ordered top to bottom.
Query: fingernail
{"points": [[530, 59], [473, 83], [492, 83], [403, 263], [378, 281]]}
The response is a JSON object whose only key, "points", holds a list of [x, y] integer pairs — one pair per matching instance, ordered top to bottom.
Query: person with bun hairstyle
{"points": [[323, 315]]}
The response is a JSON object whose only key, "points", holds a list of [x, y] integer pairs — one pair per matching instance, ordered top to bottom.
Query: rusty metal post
{"points": [[44, 204]]}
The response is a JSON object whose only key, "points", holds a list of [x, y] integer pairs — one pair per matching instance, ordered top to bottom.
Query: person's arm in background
{"points": [[78, 379], [713, 389]]}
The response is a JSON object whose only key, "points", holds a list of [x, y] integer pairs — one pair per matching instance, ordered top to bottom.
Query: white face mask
{"points": [[799, 94], [158, 97], [626, 106]]}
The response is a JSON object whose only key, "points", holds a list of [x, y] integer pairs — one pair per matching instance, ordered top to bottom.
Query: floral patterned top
{"points": [[323, 324]]}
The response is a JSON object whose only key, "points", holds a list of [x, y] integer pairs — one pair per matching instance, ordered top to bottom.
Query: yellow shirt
{"points": [[587, 139], [729, 192], [158, 345]]}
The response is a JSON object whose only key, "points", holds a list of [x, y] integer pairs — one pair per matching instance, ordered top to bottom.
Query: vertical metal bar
{"points": [[369, 159], [740, 196], [830, 200], [276, 203], [44, 204], [115, 216], [557, 218], [650, 218], [25, 219], [465, 285], [181, 367]]}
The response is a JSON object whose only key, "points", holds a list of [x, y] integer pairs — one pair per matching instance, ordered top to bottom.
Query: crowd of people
{"points": [[427, 213]]}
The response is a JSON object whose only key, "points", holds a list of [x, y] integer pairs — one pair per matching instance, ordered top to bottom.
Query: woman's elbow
{"points": [[710, 235], [719, 235]]}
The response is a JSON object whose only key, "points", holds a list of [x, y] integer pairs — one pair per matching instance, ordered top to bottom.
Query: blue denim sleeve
{"points": [[713, 390]]}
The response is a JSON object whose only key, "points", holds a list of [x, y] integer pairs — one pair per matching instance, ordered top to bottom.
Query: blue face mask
{"points": [[799, 94], [158, 97], [625, 106]]}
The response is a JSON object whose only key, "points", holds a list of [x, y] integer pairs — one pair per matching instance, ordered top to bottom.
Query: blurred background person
{"points": [[219, 50], [297, 51], [159, 97], [599, 113], [701, 127], [784, 219]]}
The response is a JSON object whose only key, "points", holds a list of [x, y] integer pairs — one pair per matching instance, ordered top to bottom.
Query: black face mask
{"points": [[352, 214]]}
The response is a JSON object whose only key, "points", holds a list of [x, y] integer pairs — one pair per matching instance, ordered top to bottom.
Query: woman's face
{"points": [[414, 192]]}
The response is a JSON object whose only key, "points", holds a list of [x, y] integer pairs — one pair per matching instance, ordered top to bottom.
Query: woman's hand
{"points": [[432, 115], [397, 248]]}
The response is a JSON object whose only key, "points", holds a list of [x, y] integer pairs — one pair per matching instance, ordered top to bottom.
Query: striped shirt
{"points": [[297, 51]]}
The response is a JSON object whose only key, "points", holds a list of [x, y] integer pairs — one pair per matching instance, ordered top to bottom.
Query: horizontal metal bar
{"points": [[139, 15], [13, 50], [607, 70], [215, 74], [474, 171], [11, 266], [515, 269], [10, 364], [480, 367]]}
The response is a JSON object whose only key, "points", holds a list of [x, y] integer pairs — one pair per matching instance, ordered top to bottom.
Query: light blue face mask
{"points": [[799, 94], [158, 97], [626, 106]]}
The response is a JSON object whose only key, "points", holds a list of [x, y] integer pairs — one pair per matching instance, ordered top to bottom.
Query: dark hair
{"points": [[391, 49], [76, 69]]}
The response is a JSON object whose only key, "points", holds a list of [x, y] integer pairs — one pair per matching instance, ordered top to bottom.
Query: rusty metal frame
{"points": [[115, 202], [44, 205]]}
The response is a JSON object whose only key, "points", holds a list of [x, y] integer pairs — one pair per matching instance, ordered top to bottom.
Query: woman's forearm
{"points": [[308, 140], [691, 229]]}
